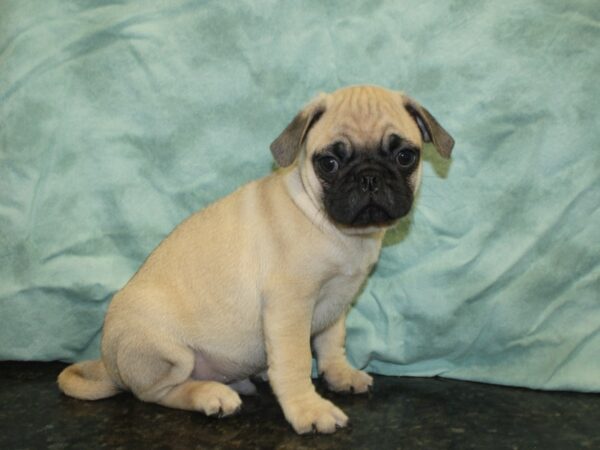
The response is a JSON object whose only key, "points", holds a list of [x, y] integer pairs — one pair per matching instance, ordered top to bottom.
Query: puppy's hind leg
{"points": [[160, 372]]}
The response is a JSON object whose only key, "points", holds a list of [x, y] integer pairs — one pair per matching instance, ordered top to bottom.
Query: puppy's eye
{"points": [[406, 157], [328, 164]]}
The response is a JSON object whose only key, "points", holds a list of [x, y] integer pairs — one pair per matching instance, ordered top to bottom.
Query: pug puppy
{"points": [[244, 286]]}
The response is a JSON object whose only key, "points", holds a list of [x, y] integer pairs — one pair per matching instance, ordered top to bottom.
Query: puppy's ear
{"points": [[430, 129], [286, 147]]}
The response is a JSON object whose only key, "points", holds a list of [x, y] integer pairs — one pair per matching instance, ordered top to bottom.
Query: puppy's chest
{"points": [[350, 267], [334, 299]]}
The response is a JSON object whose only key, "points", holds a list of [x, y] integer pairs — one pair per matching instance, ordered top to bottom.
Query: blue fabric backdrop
{"points": [[118, 119]]}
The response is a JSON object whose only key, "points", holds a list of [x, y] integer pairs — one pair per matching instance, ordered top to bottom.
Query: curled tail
{"points": [[87, 380]]}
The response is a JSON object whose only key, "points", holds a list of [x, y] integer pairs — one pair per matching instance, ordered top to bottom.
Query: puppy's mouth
{"points": [[372, 215]]}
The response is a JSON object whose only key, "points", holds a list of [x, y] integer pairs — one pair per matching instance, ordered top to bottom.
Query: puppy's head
{"points": [[359, 153]]}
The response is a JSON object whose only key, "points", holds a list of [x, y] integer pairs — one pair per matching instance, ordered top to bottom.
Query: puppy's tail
{"points": [[87, 380]]}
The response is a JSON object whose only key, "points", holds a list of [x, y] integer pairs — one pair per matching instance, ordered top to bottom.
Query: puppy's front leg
{"points": [[287, 322], [332, 362]]}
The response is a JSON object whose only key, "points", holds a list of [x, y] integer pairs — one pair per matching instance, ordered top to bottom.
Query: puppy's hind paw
{"points": [[216, 399]]}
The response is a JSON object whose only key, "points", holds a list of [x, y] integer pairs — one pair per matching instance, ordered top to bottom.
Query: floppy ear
{"points": [[430, 129], [286, 147]]}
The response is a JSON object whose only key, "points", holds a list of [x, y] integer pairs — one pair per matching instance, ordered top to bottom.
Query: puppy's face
{"points": [[362, 154], [363, 158], [371, 185]]}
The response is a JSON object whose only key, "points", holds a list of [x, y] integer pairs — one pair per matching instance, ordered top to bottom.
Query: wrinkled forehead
{"points": [[364, 116]]}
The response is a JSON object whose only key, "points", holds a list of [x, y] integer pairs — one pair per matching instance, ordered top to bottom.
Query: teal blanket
{"points": [[120, 118]]}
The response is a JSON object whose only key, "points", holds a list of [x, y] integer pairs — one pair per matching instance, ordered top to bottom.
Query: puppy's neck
{"points": [[306, 200]]}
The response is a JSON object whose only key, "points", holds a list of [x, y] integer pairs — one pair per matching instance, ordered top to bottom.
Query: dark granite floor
{"points": [[401, 413]]}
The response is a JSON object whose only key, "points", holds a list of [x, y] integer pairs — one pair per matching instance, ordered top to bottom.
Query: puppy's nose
{"points": [[369, 183]]}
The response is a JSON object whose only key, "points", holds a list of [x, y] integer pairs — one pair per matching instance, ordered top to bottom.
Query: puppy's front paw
{"points": [[343, 378], [314, 414]]}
